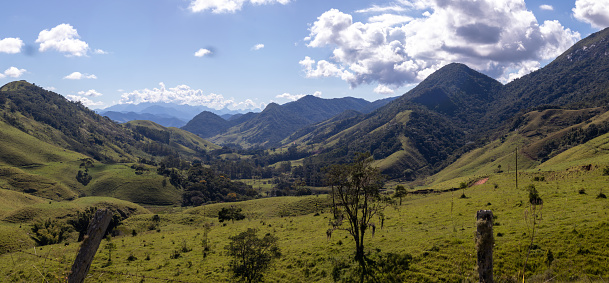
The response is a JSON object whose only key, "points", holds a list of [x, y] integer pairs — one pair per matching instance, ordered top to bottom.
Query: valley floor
{"points": [[571, 237]]}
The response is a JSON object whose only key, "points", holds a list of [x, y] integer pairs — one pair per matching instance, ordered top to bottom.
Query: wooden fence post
{"points": [[484, 245], [88, 248]]}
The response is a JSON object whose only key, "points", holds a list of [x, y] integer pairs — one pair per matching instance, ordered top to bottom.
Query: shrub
{"points": [[231, 213], [49, 232]]}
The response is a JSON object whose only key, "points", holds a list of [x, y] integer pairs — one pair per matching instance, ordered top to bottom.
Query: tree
{"points": [[400, 192], [356, 198], [230, 213], [82, 219], [251, 255]]}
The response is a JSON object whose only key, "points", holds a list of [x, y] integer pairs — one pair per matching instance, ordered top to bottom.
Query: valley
{"points": [[458, 142]]}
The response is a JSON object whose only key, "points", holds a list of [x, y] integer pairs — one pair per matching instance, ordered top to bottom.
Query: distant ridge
{"points": [[276, 122]]}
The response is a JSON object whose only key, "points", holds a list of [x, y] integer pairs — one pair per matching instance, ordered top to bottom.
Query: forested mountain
{"points": [[457, 109], [269, 127]]}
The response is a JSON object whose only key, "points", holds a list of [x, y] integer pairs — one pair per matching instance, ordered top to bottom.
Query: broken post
{"points": [[484, 245], [88, 248]]}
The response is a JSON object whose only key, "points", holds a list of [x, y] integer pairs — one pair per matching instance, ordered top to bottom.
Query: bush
{"points": [[231, 213], [49, 232]]}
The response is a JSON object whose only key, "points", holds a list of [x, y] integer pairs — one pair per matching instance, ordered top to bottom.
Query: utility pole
{"points": [[516, 155]]}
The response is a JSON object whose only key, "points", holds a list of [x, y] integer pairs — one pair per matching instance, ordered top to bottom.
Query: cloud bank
{"points": [[227, 6], [500, 38], [183, 94], [294, 97]]}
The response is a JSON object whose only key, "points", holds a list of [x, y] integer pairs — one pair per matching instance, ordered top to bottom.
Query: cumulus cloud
{"points": [[227, 6], [546, 7], [594, 12], [63, 38], [500, 38], [11, 45], [258, 46], [202, 52], [12, 72], [79, 75], [383, 89], [90, 93], [183, 94], [294, 97], [84, 100]]}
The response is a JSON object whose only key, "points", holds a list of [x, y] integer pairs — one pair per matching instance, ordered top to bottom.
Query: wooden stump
{"points": [[484, 245], [88, 248]]}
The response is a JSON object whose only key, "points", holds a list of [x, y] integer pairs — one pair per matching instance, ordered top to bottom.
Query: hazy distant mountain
{"points": [[165, 114], [124, 117]]}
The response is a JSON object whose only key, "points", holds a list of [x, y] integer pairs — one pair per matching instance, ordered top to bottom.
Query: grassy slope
{"points": [[182, 140], [18, 211], [436, 229]]}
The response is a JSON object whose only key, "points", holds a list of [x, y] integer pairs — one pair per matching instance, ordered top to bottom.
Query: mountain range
{"points": [[162, 113], [276, 122], [456, 122]]}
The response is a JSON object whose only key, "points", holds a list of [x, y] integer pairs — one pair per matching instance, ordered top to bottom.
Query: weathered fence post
{"points": [[484, 245], [88, 248]]}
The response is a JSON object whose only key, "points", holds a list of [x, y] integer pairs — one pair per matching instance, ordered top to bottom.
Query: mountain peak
{"points": [[17, 85]]}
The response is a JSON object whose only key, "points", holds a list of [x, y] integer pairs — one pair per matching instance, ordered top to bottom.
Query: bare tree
{"points": [[356, 198]]}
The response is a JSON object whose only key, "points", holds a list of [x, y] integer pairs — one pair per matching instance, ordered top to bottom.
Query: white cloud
{"points": [[227, 6], [546, 7], [379, 9], [594, 12], [495, 37], [62, 38], [11, 45], [258, 46], [100, 52], [202, 52], [12, 72], [79, 75], [50, 88], [383, 89], [90, 93], [183, 94], [294, 97], [84, 100]]}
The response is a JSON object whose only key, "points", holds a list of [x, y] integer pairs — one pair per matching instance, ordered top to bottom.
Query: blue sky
{"points": [[244, 54]]}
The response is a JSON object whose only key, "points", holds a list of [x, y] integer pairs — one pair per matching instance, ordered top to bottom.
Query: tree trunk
{"points": [[88, 248]]}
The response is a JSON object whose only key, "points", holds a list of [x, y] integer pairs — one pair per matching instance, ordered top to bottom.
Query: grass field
{"points": [[436, 229]]}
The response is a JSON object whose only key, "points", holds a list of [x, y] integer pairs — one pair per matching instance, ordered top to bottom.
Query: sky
{"points": [[245, 54]]}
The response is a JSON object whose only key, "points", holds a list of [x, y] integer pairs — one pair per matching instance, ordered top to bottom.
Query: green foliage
{"points": [[202, 185], [400, 192], [534, 197], [356, 199], [230, 213], [81, 221], [49, 232], [252, 256]]}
